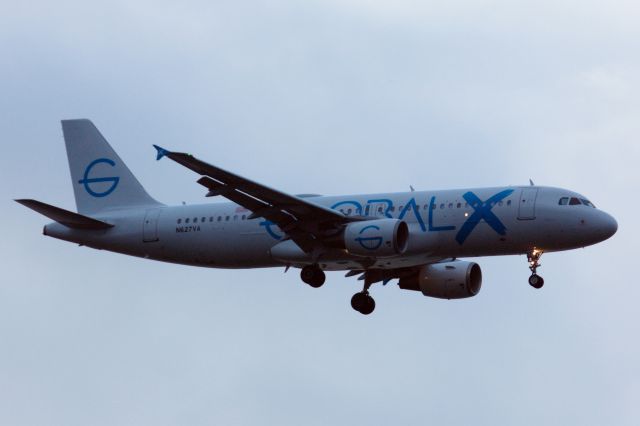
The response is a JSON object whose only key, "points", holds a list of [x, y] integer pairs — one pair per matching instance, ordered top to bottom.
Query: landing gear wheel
{"points": [[533, 257], [313, 275], [536, 281], [363, 303]]}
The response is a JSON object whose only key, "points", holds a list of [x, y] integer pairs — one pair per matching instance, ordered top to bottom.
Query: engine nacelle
{"points": [[376, 238], [448, 280]]}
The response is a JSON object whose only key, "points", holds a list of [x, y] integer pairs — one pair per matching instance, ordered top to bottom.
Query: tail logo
{"points": [[103, 190]]}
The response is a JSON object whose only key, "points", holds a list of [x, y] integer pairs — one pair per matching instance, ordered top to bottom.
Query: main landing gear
{"points": [[533, 257], [313, 275], [363, 302]]}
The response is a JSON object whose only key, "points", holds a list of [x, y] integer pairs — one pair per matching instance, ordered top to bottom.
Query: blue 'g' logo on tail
{"points": [[87, 181]]}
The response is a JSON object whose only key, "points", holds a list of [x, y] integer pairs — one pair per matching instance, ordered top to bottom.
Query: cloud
{"points": [[330, 97]]}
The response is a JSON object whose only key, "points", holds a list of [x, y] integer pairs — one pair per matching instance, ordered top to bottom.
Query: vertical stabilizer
{"points": [[101, 180]]}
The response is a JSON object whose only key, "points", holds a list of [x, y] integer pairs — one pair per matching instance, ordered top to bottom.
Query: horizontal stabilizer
{"points": [[65, 217]]}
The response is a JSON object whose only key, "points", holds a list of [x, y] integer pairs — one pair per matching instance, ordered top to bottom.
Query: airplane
{"points": [[416, 237]]}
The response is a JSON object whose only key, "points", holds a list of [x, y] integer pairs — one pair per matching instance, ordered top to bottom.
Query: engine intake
{"points": [[376, 238], [447, 280]]}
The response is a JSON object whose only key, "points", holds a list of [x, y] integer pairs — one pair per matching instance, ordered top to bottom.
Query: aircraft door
{"points": [[527, 204], [150, 226]]}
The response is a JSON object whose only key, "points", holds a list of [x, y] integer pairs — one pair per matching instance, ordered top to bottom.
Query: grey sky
{"points": [[330, 97]]}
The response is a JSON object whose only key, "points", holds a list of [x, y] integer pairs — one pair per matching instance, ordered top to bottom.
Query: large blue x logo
{"points": [[482, 211]]}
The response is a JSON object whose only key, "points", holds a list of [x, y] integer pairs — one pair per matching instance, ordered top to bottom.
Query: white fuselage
{"points": [[442, 224]]}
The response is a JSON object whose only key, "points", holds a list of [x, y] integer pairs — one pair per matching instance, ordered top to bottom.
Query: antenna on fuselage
{"points": [[531, 183], [411, 188]]}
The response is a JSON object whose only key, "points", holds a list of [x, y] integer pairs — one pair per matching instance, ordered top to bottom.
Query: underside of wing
{"points": [[306, 223]]}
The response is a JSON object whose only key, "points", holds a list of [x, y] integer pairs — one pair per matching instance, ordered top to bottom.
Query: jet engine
{"points": [[376, 238], [447, 280]]}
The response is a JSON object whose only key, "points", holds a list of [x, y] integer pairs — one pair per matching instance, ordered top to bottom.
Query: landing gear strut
{"points": [[533, 257], [313, 275], [363, 302]]}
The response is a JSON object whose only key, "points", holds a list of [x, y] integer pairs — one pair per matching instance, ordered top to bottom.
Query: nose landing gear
{"points": [[533, 257]]}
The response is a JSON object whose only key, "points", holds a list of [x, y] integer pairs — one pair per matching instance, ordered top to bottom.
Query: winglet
{"points": [[161, 152]]}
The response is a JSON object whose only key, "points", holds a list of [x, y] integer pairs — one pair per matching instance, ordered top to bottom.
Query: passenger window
{"points": [[564, 201], [574, 201], [508, 202], [500, 203], [450, 205], [458, 205], [442, 206], [433, 207], [366, 210], [348, 211], [244, 216], [235, 217], [219, 218], [227, 218], [204, 219], [186, 220], [195, 220], [179, 221]]}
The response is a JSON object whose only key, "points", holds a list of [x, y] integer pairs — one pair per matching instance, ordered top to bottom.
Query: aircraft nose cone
{"points": [[609, 225]]}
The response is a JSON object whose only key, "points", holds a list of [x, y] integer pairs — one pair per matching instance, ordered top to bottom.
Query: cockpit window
{"points": [[574, 201], [587, 203]]}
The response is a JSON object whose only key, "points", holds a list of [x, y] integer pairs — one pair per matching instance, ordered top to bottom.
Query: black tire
{"points": [[313, 275], [536, 281], [363, 303], [370, 306]]}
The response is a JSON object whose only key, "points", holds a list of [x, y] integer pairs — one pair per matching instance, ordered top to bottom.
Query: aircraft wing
{"points": [[306, 223]]}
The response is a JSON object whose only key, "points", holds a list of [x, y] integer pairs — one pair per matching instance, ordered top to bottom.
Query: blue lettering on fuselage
{"points": [[387, 211], [482, 211], [268, 226]]}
